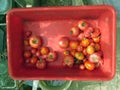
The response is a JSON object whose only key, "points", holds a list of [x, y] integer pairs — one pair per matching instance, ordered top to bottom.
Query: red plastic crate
{"points": [[51, 23]]}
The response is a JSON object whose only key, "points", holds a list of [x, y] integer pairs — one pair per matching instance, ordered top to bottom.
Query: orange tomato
{"points": [[96, 39], [35, 41], [85, 42], [74, 44], [90, 49], [44, 50], [79, 55], [89, 66]]}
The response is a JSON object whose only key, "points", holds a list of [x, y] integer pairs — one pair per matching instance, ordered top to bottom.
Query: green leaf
{"points": [[77, 2], [93, 2], [20, 3], [1, 40]]}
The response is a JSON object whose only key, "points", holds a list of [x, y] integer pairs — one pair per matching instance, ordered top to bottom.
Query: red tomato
{"points": [[83, 25], [74, 31], [88, 32], [95, 33], [81, 36], [35, 41], [26, 42], [64, 42], [74, 44], [79, 48], [44, 50], [84, 51], [27, 54], [52, 56], [33, 60], [68, 61], [41, 64], [89, 66], [82, 67]]}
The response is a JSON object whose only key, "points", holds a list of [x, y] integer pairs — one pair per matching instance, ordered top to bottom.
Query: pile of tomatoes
{"points": [[84, 49], [35, 53]]}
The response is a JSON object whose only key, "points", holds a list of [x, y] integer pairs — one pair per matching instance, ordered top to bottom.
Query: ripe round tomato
{"points": [[83, 25], [74, 31], [88, 31], [81, 36], [96, 39], [35, 41], [64, 42], [85, 42], [74, 44], [97, 47], [79, 48], [90, 49], [44, 50], [84, 51], [66, 52], [27, 54], [79, 55], [51, 56], [33, 60], [68, 61], [41, 64], [89, 66], [81, 67]]}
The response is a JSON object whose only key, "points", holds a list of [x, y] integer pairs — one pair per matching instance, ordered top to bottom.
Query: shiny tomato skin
{"points": [[83, 25], [74, 31], [81, 36], [96, 39], [35, 42], [63, 42], [85, 42], [73, 44], [79, 48], [90, 49], [44, 50], [66, 52], [79, 55], [52, 56], [68, 61], [41, 64], [89, 66], [81, 67]]}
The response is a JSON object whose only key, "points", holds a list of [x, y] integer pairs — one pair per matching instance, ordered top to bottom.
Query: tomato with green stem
{"points": [[83, 25], [74, 31], [35, 42], [85, 42], [73, 44], [44, 50], [79, 55], [52, 56], [68, 61], [41, 64]]}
